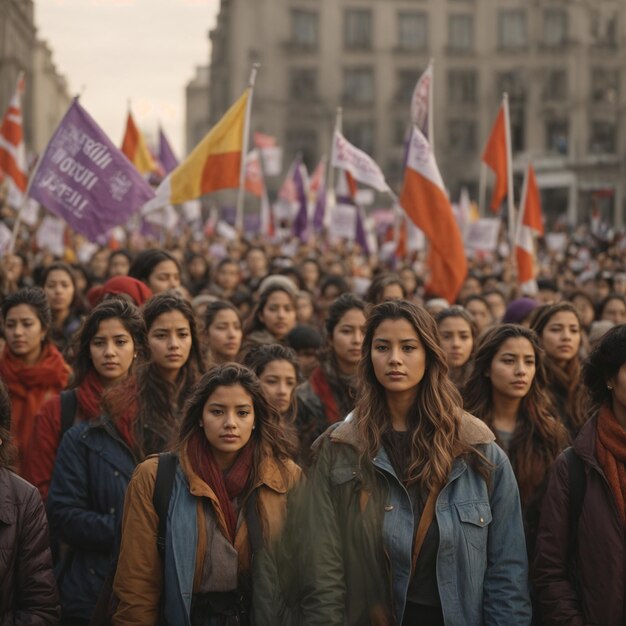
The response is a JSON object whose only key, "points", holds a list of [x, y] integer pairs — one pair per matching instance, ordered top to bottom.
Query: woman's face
{"points": [[118, 265], [197, 268], [310, 273], [164, 276], [227, 276], [408, 280], [59, 290], [392, 292], [304, 309], [585, 309], [614, 311], [279, 314], [481, 314], [24, 333], [224, 335], [561, 337], [347, 339], [456, 340], [170, 342], [112, 351], [398, 356], [512, 369], [278, 380], [228, 422]]}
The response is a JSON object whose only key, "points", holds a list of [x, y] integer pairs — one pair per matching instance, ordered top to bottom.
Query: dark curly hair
{"points": [[603, 364]]}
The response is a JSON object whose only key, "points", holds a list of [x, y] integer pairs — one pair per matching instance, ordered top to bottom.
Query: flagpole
{"points": [[431, 109], [244, 149], [509, 156]]}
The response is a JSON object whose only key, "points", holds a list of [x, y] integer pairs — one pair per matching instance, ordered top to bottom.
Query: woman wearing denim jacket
{"points": [[410, 468]]}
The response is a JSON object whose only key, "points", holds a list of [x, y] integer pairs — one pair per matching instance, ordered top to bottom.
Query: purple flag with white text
{"points": [[166, 156], [84, 179], [300, 181]]}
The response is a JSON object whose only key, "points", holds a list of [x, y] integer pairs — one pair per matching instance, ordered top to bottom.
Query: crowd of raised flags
{"points": [[84, 179]]}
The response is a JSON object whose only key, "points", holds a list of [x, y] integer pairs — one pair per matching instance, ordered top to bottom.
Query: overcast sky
{"points": [[144, 51]]}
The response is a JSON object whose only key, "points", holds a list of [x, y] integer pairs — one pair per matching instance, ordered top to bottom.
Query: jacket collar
{"points": [[472, 432], [8, 510]]}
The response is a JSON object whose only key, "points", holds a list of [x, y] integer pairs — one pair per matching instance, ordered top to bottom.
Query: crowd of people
{"points": [[218, 432]]}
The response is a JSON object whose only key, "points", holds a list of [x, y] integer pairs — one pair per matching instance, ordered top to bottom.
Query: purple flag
{"points": [[166, 157], [85, 179], [320, 209], [301, 221], [360, 236]]}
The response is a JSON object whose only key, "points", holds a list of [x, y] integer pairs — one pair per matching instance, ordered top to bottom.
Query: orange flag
{"points": [[134, 147], [12, 152], [495, 156], [425, 201], [530, 223]]}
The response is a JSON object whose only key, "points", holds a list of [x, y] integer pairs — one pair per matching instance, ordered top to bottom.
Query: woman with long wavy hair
{"points": [[558, 327], [175, 365], [507, 390], [228, 500], [414, 514]]}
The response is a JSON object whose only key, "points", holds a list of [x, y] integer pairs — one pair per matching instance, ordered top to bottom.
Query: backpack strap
{"points": [[69, 405], [163, 485], [577, 488]]}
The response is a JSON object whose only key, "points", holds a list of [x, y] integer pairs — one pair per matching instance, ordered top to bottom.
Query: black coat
{"points": [[28, 594]]}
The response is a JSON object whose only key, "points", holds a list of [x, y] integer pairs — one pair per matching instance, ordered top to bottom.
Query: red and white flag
{"points": [[420, 103], [12, 152], [496, 157], [255, 184], [425, 201], [529, 225]]}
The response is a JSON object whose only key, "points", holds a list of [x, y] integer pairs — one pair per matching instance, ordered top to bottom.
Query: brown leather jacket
{"points": [[601, 547], [138, 579], [28, 593]]}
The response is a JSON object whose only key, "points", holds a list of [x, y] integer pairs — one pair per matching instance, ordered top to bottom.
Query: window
{"points": [[603, 25], [304, 27], [555, 28], [358, 29], [412, 30], [512, 30], [461, 33], [303, 84], [405, 84], [513, 84], [358, 85], [555, 85], [604, 85], [462, 86], [518, 128], [400, 131], [361, 134], [461, 136], [557, 136], [602, 139], [303, 140]]}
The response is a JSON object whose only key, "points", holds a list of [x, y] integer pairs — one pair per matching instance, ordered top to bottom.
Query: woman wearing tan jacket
{"points": [[228, 499]]}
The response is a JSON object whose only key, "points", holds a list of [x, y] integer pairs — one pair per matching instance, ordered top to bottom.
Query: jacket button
{"points": [[116, 473], [388, 507], [112, 510], [482, 521]]}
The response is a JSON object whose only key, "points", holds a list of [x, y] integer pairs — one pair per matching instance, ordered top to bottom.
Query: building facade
{"points": [[563, 65], [197, 105]]}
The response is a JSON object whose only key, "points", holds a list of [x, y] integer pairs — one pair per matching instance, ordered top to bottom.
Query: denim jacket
{"points": [[481, 561]]}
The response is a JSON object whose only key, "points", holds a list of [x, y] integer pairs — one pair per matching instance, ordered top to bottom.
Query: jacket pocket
{"points": [[342, 474], [475, 519]]}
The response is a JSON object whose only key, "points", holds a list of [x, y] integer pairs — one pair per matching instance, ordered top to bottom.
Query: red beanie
{"points": [[139, 292]]}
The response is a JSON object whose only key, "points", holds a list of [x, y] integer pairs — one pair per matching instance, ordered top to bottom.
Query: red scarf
{"points": [[29, 386], [322, 389], [89, 395], [611, 451], [225, 485]]}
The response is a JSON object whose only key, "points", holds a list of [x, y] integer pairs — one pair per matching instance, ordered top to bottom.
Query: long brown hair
{"points": [[563, 381], [433, 420], [268, 433], [539, 437]]}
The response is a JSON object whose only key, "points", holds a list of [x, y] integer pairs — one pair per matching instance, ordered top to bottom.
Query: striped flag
{"points": [[135, 148], [12, 152], [214, 164], [255, 184], [425, 201], [530, 223]]}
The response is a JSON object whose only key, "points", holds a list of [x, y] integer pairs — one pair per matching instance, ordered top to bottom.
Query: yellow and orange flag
{"points": [[135, 148], [214, 164]]}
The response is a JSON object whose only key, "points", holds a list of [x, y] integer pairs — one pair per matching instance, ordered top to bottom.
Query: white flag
{"points": [[420, 102], [362, 167]]}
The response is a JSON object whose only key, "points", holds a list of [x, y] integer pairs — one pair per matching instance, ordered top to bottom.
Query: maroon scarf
{"points": [[322, 389], [89, 396], [611, 451], [225, 485]]}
